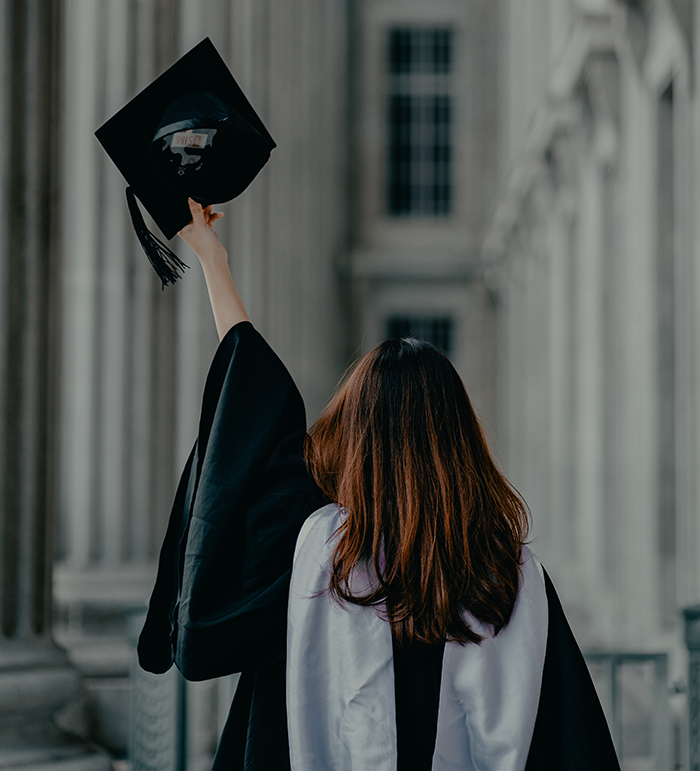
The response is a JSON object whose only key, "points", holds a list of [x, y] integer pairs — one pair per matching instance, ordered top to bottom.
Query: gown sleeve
{"points": [[220, 598]]}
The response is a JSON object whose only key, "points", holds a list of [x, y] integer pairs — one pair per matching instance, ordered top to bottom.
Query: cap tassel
{"points": [[166, 263]]}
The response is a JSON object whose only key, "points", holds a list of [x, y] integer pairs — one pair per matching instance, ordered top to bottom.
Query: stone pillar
{"points": [[119, 339], [135, 358], [692, 640], [35, 676]]}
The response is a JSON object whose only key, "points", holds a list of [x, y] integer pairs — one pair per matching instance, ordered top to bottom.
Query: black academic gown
{"points": [[220, 600]]}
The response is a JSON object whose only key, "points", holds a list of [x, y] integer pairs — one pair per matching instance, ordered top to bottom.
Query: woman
{"points": [[422, 632]]}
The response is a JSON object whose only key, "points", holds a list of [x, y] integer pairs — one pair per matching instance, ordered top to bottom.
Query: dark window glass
{"points": [[420, 50], [442, 50], [400, 57], [420, 120], [433, 329]]}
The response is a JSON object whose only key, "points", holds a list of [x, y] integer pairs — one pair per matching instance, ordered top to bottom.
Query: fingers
{"points": [[203, 216], [210, 217]]}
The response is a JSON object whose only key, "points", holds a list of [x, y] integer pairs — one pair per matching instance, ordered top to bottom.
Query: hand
{"points": [[200, 235]]}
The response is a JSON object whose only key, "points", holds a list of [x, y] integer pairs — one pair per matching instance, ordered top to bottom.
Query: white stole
{"points": [[341, 710]]}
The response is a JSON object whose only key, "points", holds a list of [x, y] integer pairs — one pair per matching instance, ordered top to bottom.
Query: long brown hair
{"points": [[400, 448]]}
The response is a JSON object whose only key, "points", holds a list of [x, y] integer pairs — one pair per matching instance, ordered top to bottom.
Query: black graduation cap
{"points": [[191, 133]]}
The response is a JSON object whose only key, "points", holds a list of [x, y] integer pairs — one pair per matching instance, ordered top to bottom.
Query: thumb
{"points": [[197, 211]]}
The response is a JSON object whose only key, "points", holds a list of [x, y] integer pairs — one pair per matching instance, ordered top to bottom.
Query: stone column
{"points": [[118, 337], [135, 358], [692, 640], [35, 676]]}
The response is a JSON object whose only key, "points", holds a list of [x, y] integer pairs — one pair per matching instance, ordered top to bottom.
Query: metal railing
{"points": [[692, 640], [633, 689], [158, 730]]}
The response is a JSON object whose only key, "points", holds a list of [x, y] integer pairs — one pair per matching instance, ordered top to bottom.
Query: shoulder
{"points": [[318, 529], [312, 555], [530, 565], [532, 595]]}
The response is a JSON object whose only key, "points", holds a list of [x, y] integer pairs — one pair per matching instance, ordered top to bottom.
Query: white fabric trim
{"points": [[340, 677]]}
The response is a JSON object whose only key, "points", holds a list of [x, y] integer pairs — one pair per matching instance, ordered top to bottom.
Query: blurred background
{"points": [[517, 181]]}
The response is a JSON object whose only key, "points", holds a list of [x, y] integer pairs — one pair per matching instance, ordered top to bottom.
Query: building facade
{"points": [[424, 117], [596, 241]]}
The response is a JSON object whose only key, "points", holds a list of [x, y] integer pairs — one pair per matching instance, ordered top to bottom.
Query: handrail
{"points": [[612, 664]]}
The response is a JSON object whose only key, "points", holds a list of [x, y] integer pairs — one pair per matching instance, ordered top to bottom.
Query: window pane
{"points": [[442, 50], [400, 54], [420, 118]]}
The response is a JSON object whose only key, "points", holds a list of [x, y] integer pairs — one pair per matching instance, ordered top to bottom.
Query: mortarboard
{"points": [[190, 133]]}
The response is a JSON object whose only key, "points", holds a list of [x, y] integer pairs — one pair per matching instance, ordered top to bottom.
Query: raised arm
{"points": [[201, 237], [219, 604]]}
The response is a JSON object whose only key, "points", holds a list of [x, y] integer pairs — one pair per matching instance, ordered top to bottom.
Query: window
{"points": [[420, 116], [433, 329]]}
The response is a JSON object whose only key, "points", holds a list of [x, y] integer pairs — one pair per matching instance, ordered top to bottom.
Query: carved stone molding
{"points": [[685, 12], [637, 24], [602, 80], [560, 158]]}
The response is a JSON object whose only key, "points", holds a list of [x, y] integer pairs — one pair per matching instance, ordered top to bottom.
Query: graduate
{"points": [[369, 578]]}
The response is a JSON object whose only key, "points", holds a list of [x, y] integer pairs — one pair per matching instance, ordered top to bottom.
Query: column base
{"points": [[36, 681], [43, 747], [95, 761]]}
